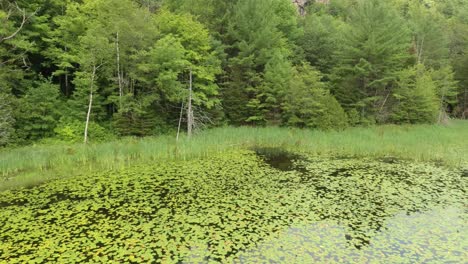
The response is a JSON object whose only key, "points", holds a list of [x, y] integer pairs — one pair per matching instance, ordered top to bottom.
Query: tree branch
{"points": [[23, 22]]}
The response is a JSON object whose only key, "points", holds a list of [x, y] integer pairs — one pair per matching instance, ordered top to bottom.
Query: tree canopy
{"points": [[124, 67]]}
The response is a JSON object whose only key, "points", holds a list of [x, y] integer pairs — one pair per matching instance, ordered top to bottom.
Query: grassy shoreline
{"points": [[31, 165]]}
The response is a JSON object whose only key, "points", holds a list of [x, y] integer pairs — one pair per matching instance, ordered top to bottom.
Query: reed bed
{"points": [[25, 166]]}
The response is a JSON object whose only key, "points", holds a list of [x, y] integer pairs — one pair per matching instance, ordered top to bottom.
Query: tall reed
{"points": [[32, 164]]}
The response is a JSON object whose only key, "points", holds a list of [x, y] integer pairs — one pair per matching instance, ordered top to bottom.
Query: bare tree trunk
{"points": [[420, 51], [119, 75], [91, 87], [67, 89], [384, 102], [464, 104], [190, 109], [442, 110], [180, 121]]}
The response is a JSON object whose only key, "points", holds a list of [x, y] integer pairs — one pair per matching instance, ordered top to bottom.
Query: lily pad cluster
{"points": [[236, 208]]}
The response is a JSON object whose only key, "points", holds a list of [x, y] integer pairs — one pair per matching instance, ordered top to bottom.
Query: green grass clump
{"points": [[34, 164]]}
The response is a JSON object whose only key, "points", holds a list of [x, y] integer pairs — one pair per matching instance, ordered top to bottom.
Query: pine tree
{"points": [[456, 13], [320, 40], [374, 49], [259, 50], [269, 95], [416, 97], [308, 102], [37, 117]]}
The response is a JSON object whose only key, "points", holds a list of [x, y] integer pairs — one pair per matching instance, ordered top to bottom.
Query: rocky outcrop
{"points": [[302, 4]]}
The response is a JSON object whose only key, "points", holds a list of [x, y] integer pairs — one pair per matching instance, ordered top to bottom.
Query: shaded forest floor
{"points": [[26, 166]]}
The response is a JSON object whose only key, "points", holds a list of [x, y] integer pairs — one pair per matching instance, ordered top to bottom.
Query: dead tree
{"points": [[119, 74], [90, 106], [465, 106], [190, 119], [180, 121], [194, 121]]}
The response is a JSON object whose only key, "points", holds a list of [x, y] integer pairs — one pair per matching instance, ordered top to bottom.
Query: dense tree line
{"points": [[125, 65]]}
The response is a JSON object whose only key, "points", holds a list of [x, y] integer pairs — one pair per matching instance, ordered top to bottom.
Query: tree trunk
{"points": [[420, 50], [119, 75], [91, 87], [67, 88], [465, 107], [442, 108], [180, 121], [190, 121]]}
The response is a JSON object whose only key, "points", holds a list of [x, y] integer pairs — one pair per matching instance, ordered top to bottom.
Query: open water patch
{"points": [[280, 159]]}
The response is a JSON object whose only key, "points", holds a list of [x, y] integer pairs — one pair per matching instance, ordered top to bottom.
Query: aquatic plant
{"points": [[236, 208]]}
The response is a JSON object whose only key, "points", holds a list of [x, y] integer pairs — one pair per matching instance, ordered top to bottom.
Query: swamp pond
{"points": [[244, 206]]}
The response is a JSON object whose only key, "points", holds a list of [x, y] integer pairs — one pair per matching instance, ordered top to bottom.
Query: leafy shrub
{"points": [[73, 131]]}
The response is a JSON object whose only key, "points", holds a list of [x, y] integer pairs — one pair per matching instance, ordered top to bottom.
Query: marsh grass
{"points": [[31, 165]]}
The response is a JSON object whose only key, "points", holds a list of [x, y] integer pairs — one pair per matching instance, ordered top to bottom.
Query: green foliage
{"points": [[336, 8], [212, 13], [430, 35], [320, 40], [183, 46], [374, 48], [197, 50], [459, 51], [243, 54], [166, 65], [259, 69], [447, 86], [270, 93], [416, 97], [309, 104], [37, 118], [6, 120], [139, 123], [72, 131]]}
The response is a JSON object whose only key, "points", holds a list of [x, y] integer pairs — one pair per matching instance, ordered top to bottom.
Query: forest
{"points": [[144, 67]]}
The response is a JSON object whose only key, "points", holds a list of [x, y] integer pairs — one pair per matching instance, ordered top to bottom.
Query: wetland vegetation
{"points": [[233, 131], [432, 143], [270, 199], [242, 207]]}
